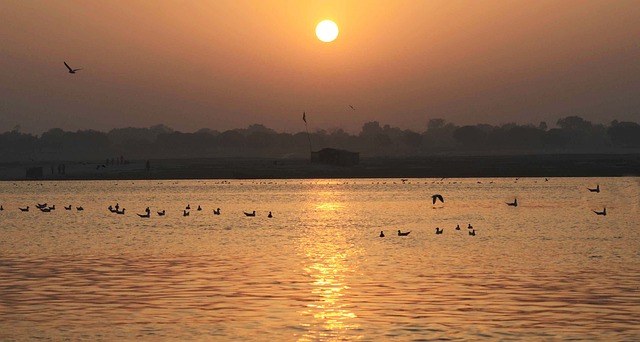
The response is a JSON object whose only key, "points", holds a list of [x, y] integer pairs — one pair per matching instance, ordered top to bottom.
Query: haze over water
{"points": [[549, 269]]}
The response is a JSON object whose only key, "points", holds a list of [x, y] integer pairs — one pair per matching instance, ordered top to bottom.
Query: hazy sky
{"points": [[228, 64]]}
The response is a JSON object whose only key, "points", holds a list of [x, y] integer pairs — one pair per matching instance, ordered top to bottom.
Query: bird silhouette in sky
{"points": [[71, 71], [437, 197]]}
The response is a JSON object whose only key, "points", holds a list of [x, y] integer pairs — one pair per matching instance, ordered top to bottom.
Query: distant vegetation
{"points": [[571, 135]]}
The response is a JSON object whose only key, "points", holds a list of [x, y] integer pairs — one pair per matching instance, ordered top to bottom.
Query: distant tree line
{"points": [[572, 134]]}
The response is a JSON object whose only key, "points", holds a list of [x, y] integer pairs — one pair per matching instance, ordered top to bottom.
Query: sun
{"points": [[327, 31]]}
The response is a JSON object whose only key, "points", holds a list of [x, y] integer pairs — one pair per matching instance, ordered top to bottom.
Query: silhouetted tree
{"points": [[574, 123], [574, 134], [624, 134], [439, 135], [471, 137], [231, 139], [259, 140]]}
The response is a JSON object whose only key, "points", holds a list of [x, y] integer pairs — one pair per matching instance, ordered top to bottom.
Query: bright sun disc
{"points": [[327, 31]]}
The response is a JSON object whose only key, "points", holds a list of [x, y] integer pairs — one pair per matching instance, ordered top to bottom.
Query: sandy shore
{"points": [[575, 165]]}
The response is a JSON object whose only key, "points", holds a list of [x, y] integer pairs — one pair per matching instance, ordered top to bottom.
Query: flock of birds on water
{"points": [[435, 198], [43, 207]]}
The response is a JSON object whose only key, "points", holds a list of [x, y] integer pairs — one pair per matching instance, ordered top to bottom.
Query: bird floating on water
{"points": [[71, 71], [596, 189], [437, 197], [514, 203], [67, 207], [188, 207], [81, 208], [199, 208], [24, 209], [216, 211], [603, 212], [161, 213], [185, 213], [250, 214], [147, 215], [270, 215], [469, 226], [457, 227], [439, 231], [382, 233], [472, 233], [403, 234]]}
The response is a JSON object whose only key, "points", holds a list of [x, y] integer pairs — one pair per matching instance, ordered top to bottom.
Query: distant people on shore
{"points": [[117, 161]]}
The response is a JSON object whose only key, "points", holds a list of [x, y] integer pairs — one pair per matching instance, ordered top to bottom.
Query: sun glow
{"points": [[327, 31]]}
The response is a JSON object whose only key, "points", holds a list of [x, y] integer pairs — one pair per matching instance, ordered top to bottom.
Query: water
{"points": [[549, 269]]}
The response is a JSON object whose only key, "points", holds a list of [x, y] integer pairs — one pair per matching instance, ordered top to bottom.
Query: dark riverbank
{"points": [[573, 165]]}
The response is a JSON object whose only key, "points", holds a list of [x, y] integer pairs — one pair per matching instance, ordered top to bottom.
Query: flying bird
{"points": [[71, 71], [437, 197], [603, 212]]}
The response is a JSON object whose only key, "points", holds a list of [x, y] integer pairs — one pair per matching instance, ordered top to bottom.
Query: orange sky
{"points": [[229, 64]]}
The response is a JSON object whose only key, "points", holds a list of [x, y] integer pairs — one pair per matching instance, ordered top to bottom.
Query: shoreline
{"points": [[441, 166]]}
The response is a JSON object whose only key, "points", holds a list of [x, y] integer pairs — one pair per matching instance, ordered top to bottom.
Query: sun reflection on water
{"points": [[327, 254], [331, 310]]}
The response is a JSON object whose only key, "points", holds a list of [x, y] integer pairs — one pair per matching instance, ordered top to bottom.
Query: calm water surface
{"points": [[549, 269]]}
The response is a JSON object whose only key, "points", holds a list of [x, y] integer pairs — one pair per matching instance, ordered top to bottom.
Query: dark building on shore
{"points": [[332, 156]]}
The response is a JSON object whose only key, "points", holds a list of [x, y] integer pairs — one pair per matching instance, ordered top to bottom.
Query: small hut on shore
{"points": [[332, 156]]}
